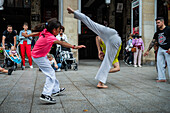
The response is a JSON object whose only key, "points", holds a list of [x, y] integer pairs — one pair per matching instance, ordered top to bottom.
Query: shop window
{"points": [[17, 3]]}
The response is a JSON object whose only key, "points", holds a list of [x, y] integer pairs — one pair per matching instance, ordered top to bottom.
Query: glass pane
{"points": [[10, 3], [18, 3], [136, 21]]}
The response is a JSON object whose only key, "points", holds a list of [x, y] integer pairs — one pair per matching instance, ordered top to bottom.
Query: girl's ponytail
{"points": [[49, 25], [39, 27]]}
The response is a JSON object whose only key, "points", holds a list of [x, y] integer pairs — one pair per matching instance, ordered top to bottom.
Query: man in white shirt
{"points": [[61, 36]]}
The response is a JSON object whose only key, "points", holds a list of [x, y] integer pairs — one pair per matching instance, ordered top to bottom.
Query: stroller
{"points": [[65, 57], [10, 61]]}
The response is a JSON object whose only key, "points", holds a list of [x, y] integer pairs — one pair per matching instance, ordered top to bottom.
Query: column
{"points": [[71, 24], [148, 28]]}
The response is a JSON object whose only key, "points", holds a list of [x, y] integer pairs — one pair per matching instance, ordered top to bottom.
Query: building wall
{"points": [[35, 10], [148, 18], [71, 24]]}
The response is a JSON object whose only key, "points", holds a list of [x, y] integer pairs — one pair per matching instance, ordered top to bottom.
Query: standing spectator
{"points": [[162, 36], [9, 37], [17, 38], [25, 45], [139, 45], [129, 55]]}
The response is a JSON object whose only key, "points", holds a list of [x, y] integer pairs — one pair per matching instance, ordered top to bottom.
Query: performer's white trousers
{"points": [[111, 40], [162, 56], [51, 83]]}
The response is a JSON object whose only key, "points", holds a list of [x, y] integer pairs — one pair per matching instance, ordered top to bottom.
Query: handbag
{"points": [[133, 49]]}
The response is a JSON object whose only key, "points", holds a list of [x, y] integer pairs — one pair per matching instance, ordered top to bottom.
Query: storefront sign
{"points": [[135, 3], [119, 8]]}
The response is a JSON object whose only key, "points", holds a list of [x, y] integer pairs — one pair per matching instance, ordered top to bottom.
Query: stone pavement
{"points": [[132, 90]]}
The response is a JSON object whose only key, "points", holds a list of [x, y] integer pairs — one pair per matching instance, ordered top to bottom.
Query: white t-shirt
{"points": [[64, 37], [52, 61]]}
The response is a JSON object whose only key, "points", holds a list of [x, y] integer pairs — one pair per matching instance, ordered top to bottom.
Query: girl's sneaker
{"points": [[59, 92], [47, 98]]}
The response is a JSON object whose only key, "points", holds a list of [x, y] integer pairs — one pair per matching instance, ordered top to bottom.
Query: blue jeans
{"points": [[59, 66]]}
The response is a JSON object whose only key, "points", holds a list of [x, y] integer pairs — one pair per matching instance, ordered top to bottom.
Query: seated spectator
{"points": [[61, 36], [13, 53], [53, 63], [6, 71]]}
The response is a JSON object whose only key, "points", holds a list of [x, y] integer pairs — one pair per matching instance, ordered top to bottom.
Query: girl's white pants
{"points": [[51, 83]]}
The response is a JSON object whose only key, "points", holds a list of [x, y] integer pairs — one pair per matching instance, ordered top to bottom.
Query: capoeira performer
{"points": [[111, 39]]}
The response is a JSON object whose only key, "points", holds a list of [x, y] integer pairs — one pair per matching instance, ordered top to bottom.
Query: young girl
{"points": [[110, 38], [43, 45], [13, 53], [56, 66]]}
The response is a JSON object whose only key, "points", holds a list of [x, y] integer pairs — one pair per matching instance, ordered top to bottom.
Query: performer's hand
{"points": [[70, 10], [80, 46], [146, 53], [101, 55]]}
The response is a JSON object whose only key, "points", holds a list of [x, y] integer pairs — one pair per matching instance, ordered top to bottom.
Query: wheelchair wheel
{"points": [[2, 65], [15, 67], [75, 67], [66, 68]]}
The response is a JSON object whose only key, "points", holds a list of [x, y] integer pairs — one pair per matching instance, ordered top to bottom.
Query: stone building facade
{"points": [[117, 13]]}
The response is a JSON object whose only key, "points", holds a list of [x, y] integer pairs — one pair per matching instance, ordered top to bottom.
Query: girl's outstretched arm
{"points": [[67, 45]]}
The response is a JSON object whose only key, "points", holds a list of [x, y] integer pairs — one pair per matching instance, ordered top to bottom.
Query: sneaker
{"points": [[1, 8], [135, 66], [140, 66], [23, 67], [31, 67], [58, 70], [10, 71], [59, 92], [47, 98]]}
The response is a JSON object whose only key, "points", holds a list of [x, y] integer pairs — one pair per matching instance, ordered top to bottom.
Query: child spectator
{"points": [[13, 53], [56, 66]]}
